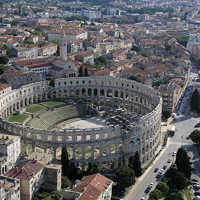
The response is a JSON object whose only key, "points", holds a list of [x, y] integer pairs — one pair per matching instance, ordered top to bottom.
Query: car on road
{"points": [[197, 125], [174, 153], [169, 160], [165, 167], [156, 169], [158, 176], [194, 180], [151, 185], [196, 187], [147, 190], [197, 193], [142, 198], [196, 198]]}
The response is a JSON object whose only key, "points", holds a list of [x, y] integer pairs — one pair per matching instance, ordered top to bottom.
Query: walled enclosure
{"points": [[110, 145]]}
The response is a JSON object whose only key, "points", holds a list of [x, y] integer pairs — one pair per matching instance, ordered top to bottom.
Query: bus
{"points": [[171, 130]]}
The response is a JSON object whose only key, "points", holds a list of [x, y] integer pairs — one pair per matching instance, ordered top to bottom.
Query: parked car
{"points": [[197, 125], [174, 154], [169, 161], [165, 167], [156, 169], [194, 180], [147, 190], [197, 193]]}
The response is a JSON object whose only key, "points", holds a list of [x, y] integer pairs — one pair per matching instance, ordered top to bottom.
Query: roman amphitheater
{"points": [[101, 119]]}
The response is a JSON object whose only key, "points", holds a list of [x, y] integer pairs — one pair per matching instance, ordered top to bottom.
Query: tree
{"points": [[14, 22], [167, 47], [135, 48], [4, 60], [101, 60], [2, 69], [80, 71], [86, 72], [135, 78], [52, 82], [194, 103], [165, 114], [195, 136], [65, 161], [131, 162], [183, 162], [137, 165], [92, 168], [125, 177], [176, 179], [66, 182], [163, 187], [155, 194], [56, 195], [175, 196]]}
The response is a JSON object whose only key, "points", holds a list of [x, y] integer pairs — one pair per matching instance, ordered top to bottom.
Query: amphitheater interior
{"points": [[48, 118]]}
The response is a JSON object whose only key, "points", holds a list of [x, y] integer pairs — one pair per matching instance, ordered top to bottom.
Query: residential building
{"points": [[68, 34], [49, 49], [23, 52], [85, 57], [40, 66], [171, 93], [10, 149], [33, 175], [93, 187], [9, 188]]}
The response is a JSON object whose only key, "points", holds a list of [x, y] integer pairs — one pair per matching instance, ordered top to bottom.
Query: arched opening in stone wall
{"points": [[83, 91], [89, 91], [71, 92], [77, 92], [95, 92], [102, 92], [109, 93], [116, 93], [122, 95], [88, 152]]}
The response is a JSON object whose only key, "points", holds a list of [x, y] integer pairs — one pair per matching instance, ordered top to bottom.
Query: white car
{"points": [[174, 153], [142, 198]]}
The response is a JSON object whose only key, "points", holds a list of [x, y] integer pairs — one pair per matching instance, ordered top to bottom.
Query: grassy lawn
{"points": [[53, 103], [33, 108], [17, 118], [187, 194]]}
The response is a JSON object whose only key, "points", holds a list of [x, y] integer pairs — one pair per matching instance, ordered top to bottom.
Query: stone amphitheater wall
{"points": [[109, 145]]}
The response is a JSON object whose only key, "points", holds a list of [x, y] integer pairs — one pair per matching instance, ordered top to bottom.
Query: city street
{"points": [[184, 124]]}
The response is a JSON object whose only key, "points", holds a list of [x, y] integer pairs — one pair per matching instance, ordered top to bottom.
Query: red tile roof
{"points": [[31, 61], [3, 86], [25, 170], [91, 187]]}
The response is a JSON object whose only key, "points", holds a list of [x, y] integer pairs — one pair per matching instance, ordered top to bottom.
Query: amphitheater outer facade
{"points": [[110, 145]]}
